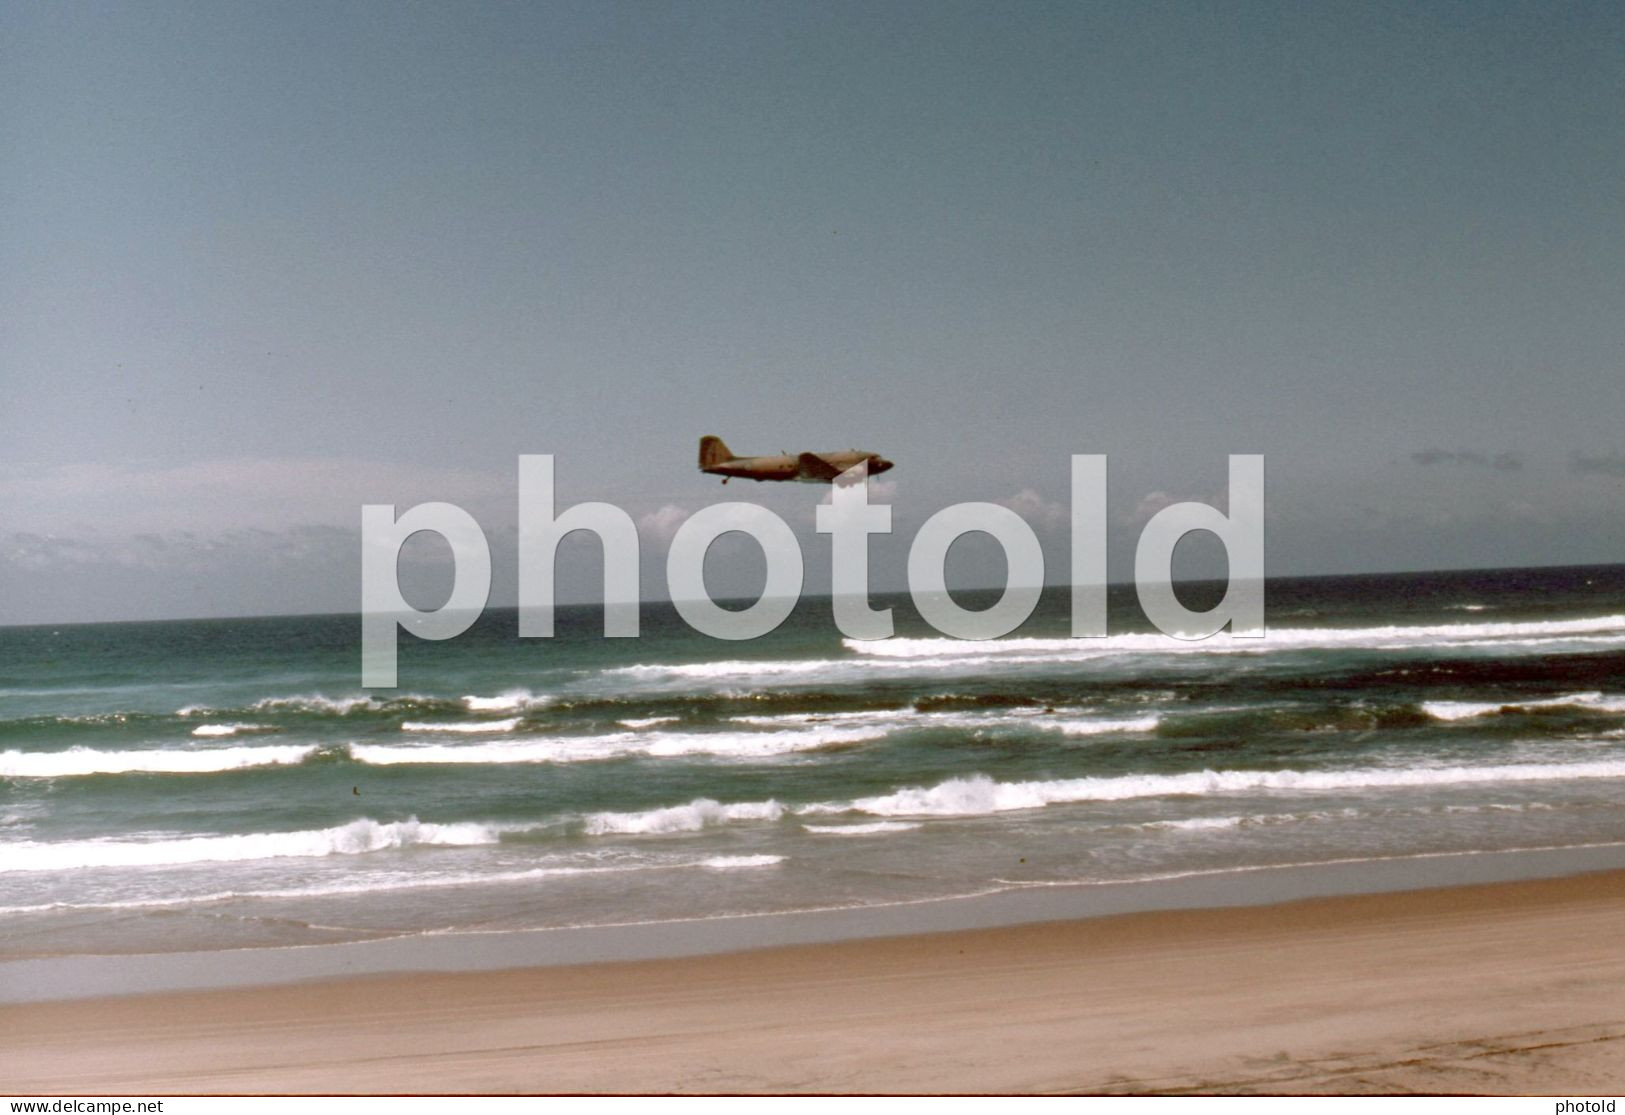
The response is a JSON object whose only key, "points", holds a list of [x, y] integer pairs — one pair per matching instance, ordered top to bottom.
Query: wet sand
{"points": [[1508, 988]]}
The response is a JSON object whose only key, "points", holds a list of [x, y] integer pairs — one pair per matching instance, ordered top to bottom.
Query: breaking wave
{"points": [[1276, 638], [956, 656], [514, 700], [318, 704], [339, 706], [1467, 710], [890, 720], [476, 727], [1099, 727], [216, 730], [575, 749], [84, 760], [981, 795], [698, 814], [872, 828], [355, 838]]}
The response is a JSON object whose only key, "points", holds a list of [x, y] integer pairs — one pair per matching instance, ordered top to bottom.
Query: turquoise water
{"points": [[186, 785]]}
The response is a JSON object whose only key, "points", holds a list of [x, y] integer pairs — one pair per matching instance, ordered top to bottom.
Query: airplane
{"points": [[809, 468]]}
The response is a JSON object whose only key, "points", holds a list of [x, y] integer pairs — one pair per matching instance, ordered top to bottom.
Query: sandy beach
{"points": [[1508, 988]]}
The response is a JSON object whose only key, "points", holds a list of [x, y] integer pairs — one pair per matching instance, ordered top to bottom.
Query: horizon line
{"points": [[904, 593]]}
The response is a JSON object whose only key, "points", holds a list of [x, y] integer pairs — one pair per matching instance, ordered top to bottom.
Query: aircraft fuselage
{"points": [[808, 468]]}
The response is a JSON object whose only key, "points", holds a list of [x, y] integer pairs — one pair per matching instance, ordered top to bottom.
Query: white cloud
{"points": [[880, 491], [1149, 505], [1038, 511], [661, 524]]}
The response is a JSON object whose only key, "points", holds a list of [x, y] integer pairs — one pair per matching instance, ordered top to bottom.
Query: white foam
{"points": [[1277, 638], [960, 656], [725, 669], [818, 670], [511, 701], [316, 702], [1459, 710], [1467, 710], [1035, 719], [648, 721], [877, 721], [883, 721], [1103, 726], [471, 727], [213, 730], [755, 745], [574, 749], [561, 750], [84, 760], [979, 794], [1504, 807], [692, 817], [1245, 821], [1198, 824], [871, 829], [357, 837], [730, 863], [372, 882], [380, 882]]}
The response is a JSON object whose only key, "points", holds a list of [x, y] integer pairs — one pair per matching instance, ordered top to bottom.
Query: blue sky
{"points": [[265, 263]]}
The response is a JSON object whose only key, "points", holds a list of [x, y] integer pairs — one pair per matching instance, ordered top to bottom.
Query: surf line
{"points": [[849, 519]]}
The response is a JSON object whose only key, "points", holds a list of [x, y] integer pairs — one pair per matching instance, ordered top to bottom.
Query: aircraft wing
{"points": [[814, 467]]}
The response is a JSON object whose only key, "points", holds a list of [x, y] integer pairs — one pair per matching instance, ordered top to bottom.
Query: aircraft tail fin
{"points": [[713, 452]]}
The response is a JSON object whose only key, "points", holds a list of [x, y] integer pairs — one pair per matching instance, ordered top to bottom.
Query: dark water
{"points": [[228, 783]]}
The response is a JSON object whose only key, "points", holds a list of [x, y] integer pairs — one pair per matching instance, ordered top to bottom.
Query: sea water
{"points": [[214, 784]]}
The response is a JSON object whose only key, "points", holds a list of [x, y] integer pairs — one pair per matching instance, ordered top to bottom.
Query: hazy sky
{"points": [[263, 263]]}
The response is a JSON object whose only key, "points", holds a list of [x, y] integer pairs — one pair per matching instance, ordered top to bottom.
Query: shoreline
{"points": [[104, 975], [1505, 987]]}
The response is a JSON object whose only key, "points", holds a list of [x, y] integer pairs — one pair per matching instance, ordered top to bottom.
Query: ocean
{"points": [[227, 784]]}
